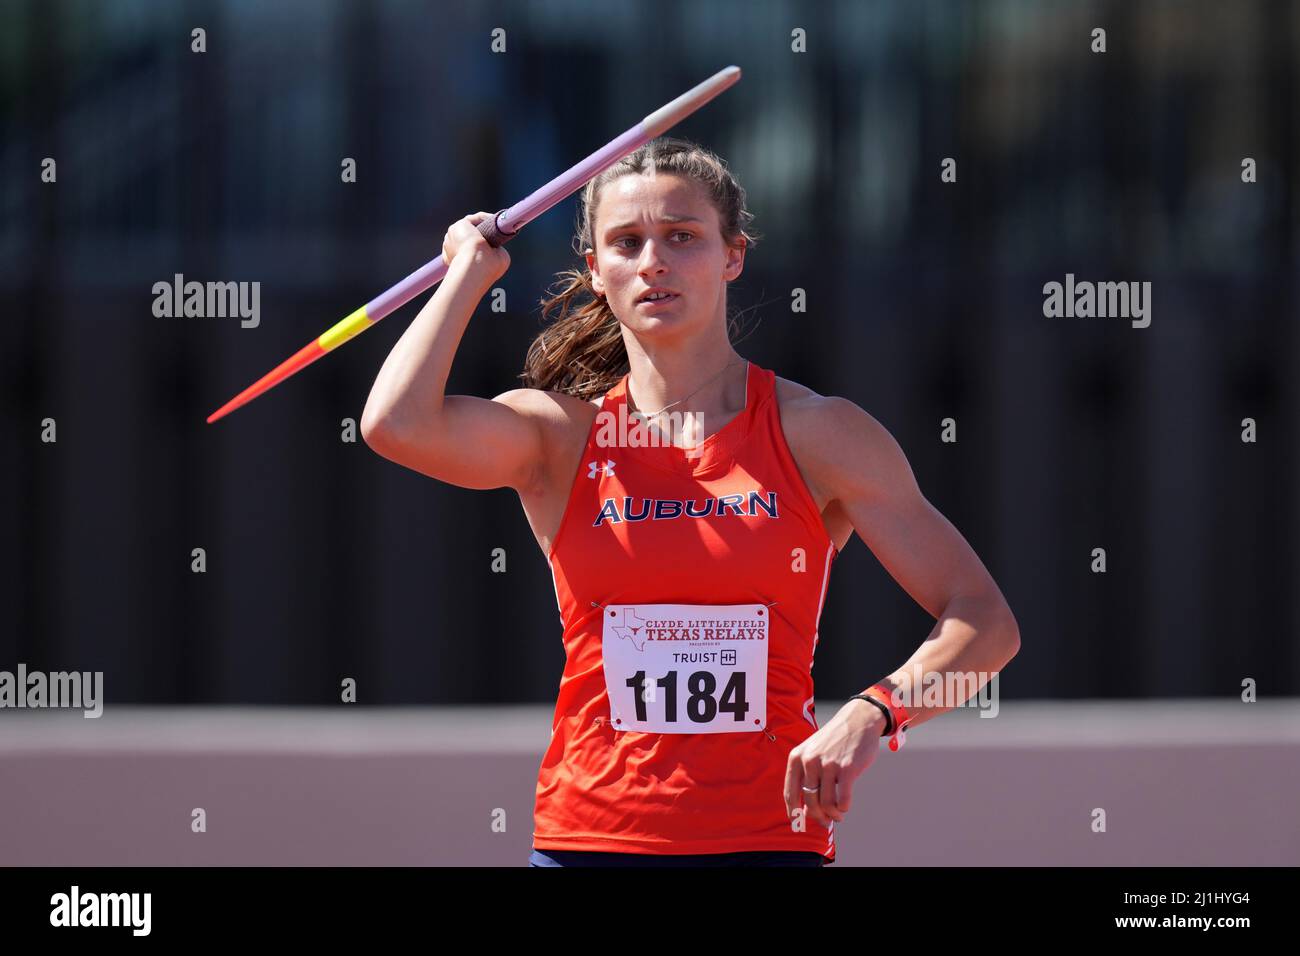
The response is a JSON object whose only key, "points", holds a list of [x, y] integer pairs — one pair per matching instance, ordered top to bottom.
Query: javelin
{"points": [[498, 230]]}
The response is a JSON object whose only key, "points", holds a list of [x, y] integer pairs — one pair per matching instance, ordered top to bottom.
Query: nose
{"points": [[651, 262]]}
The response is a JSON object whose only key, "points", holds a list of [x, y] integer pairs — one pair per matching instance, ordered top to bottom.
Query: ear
{"points": [[735, 261], [597, 282]]}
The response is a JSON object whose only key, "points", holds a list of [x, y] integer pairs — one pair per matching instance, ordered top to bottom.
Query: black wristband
{"points": [[889, 718]]}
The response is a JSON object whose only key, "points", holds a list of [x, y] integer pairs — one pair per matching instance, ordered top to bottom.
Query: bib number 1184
{"points": [[686, 668], [701, 704]]}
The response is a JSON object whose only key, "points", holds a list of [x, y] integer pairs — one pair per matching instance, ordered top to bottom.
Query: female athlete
{"points": [[690, 505]]}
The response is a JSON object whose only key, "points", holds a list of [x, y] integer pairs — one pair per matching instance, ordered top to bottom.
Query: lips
{"points": [[669, 293], [664, 300]]}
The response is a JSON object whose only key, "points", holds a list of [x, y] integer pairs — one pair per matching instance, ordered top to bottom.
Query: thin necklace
{"points": [[648, 415]]}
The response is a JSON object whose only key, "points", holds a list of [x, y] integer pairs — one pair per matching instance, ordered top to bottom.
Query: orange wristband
{"points": [[898, 713]]}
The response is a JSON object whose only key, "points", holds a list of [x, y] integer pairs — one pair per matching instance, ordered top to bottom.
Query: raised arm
{"points": [[460, 439]]}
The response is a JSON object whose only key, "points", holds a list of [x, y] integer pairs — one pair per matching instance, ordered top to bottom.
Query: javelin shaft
{"points": [[511, 220], [497, 230]]}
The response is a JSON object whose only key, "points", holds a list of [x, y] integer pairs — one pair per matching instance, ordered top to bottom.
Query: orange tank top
{"points": [[690, 585]]}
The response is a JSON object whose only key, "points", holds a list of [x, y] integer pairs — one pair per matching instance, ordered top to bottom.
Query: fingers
{"points": [[472, 220], [453, 238], [793, 781], [845, 786], [810, 787], [826, 799], [812, 800], [822, 802]]}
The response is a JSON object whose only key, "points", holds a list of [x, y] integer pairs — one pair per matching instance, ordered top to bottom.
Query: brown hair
{"points": [[581, 352]]}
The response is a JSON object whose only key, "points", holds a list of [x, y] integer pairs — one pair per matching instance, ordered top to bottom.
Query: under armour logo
{"points": [[606, 469]]}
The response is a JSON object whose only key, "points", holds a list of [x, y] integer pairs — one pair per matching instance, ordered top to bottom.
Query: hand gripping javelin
{"points": [[498, 230]]}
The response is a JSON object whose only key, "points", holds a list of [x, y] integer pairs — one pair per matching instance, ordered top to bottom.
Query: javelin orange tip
{"points": [[299, 360]]}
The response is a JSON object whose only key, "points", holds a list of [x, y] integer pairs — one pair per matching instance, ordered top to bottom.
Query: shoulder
{"points": [[547, 407], [562, 419], [815, 420], [563, 422], [839, 446]]}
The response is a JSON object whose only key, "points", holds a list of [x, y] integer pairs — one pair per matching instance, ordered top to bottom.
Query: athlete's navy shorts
{"points": [[747, 858]]}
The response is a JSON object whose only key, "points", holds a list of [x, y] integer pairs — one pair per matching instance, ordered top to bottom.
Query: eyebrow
{"points": [[668, 219]]}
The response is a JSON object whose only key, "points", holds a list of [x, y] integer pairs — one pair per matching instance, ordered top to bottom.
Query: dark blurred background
{"points": [[925, 301]]}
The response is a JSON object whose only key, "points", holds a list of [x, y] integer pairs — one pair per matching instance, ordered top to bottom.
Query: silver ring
{"points": [[816, 789]]}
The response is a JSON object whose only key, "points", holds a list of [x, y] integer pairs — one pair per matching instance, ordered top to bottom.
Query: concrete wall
{"points": [[1204, 783]]}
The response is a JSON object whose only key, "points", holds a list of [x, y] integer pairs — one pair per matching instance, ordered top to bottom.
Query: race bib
{"points": [[686, 668]]}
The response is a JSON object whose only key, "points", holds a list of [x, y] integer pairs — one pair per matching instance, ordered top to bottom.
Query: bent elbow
{"points": [[376, 430], [1011, 636]]}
